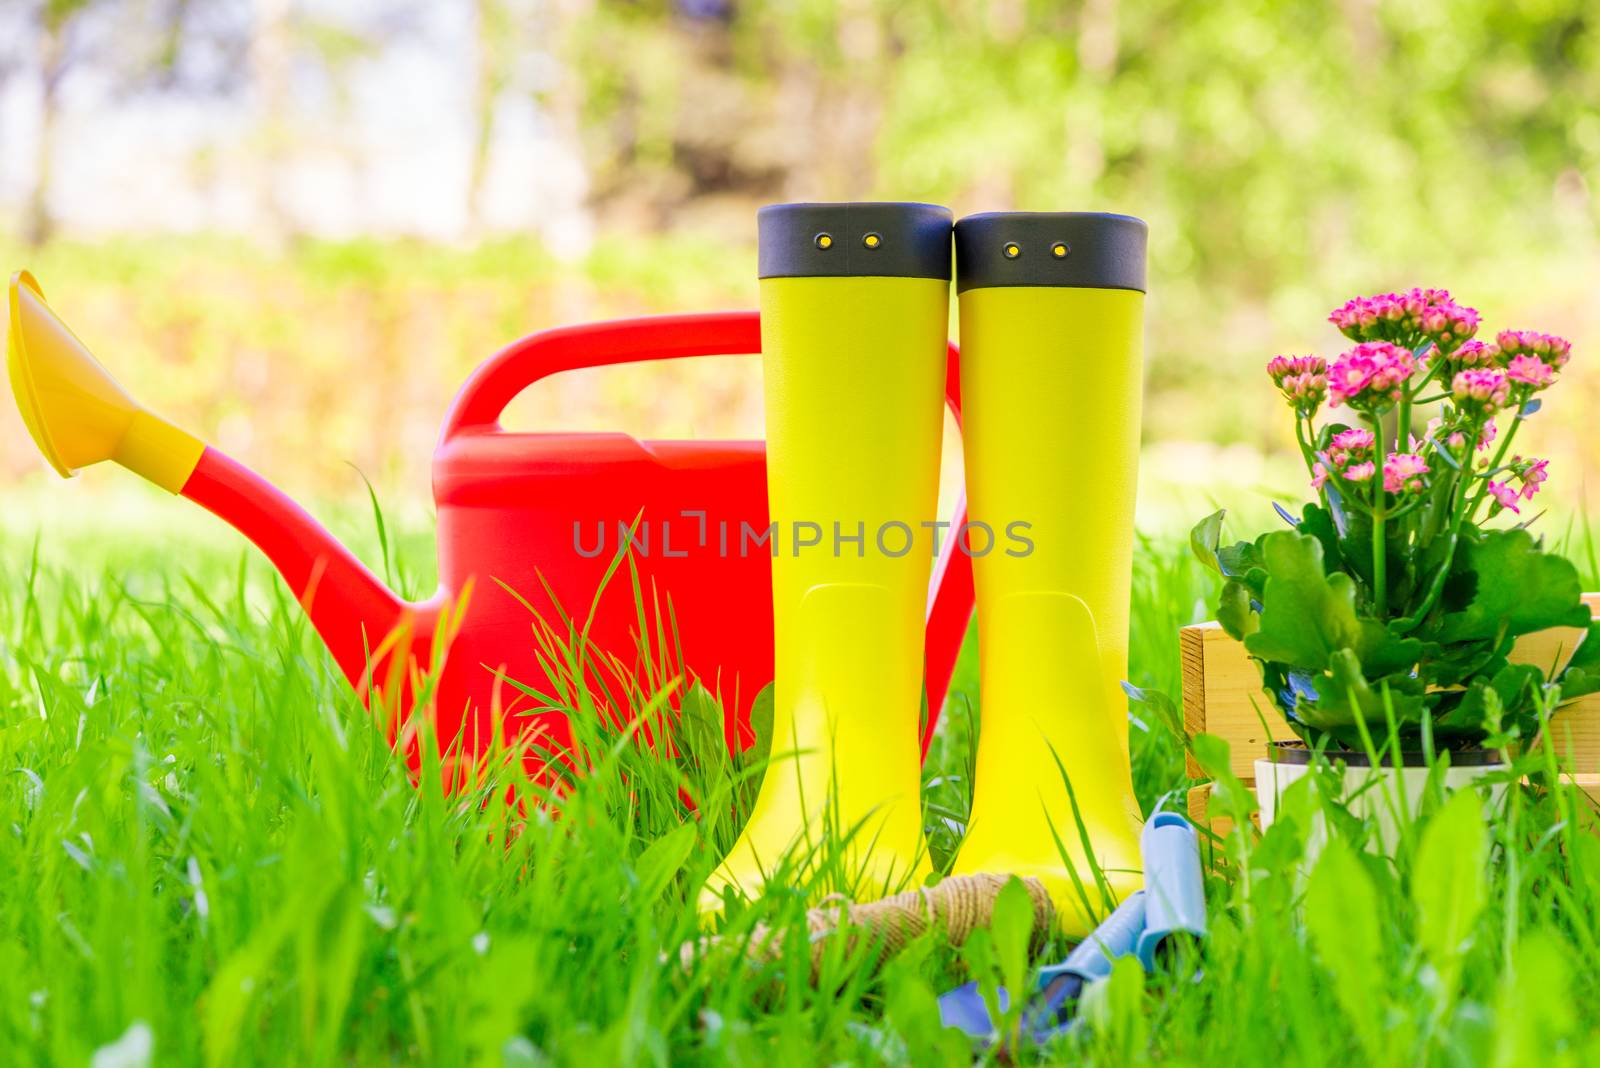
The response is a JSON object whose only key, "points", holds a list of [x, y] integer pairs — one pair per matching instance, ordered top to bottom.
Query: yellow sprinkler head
{"points": [[31, 318], [76, 412]]}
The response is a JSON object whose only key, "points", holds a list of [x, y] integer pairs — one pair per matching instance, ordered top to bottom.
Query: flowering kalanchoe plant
{"points": [[1303, 380], [1391, 607]]}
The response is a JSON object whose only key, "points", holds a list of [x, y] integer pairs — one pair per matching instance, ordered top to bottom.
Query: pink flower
{"points": [[1356, 317], [1411, 318], [1448, 324], [1549, 348], [1470, 355], [1281, 367], [1530, 371], [1369, 377], [1347, 378], [1302, 379], [1306, 392], [1480, 392], [1454, 434], [1355, 439], [1347, 447], [1361, 472], [1531, 472], [1402, 473], [1319, 475], [1504, 496]]}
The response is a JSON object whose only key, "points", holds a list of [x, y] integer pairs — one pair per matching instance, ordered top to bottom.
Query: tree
{"points": [[57, 21]]}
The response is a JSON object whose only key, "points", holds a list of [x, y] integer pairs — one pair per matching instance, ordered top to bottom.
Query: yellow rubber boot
{"points": [[1052, 316], [854, 317]]}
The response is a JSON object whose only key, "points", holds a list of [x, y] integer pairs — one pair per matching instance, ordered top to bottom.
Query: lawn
{"points": [[211, 856]]}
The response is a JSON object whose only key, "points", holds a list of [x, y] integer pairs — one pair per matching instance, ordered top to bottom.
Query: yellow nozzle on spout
{"points": [[77, 413]]}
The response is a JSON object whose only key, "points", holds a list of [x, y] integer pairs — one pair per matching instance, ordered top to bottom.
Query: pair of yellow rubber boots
{"points": [[854, 320]]}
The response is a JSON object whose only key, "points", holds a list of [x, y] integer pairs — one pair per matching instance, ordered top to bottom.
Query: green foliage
{"points": [[1342, 131], [341, 354], [1505, 587], [1390, 612], [1308, 614], [1328, 661], [1583, 670], [1345, 698], [209, 843], [1448, 889], [1342, 923], [1537, 990]]}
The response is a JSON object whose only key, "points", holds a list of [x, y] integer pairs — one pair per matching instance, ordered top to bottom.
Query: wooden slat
{"points": [[1192, 650], [1222, 695], [1232, 703], [1588, 783], [1197, 804], [1588, 815]]}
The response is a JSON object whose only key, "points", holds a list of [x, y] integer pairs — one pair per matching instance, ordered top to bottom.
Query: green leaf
{"points": [[1438, 511], [1316, 521], [1204, 537], [1355, 544], [1242, 560], [1518, 589], [1235, 612], [1307, 615], [1586, 657], [1458, 663], [1582, 673], [1344, 695], [1164, 708], [1472, 717], [761, 727], [700, 729], [1211, 753], [1230, 796], [1284, 843], [663, 859], [1448, 884], [1342, 920], [1012, 930], [977, 952], [1536, 1006], [911, 1008], [1114, 1011]]}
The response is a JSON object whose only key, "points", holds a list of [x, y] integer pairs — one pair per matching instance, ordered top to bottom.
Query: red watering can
{"points": [[526, 522]]}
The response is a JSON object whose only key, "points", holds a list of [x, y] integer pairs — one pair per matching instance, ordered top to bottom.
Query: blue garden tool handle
{"points": [[1175, 893], [1172, 902], [1117, 936], [1059, 985]]}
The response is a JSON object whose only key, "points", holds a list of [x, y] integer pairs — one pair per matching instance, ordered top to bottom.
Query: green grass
{"points": [[207, 845]]}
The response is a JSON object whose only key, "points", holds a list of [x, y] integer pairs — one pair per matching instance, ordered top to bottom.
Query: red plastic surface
{"points": [[510, 506]]}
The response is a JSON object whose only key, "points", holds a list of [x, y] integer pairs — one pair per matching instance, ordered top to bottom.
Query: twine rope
{"points": [[958, 905]]}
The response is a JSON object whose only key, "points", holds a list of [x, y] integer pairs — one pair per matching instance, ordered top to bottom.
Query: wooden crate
{"points": [[1223, 695]]}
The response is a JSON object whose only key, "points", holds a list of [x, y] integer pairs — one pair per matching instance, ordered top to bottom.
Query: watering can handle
{"points": [[570, 348], [482, 400]]}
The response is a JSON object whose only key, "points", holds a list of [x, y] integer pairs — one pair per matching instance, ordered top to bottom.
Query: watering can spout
{"points": [[79, 415]]}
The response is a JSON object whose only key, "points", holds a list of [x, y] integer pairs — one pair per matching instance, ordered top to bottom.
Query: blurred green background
{"points": [[295, 225]]}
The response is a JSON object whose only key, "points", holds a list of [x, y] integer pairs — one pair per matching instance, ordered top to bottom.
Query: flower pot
{"points": [[1396, 793]]}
